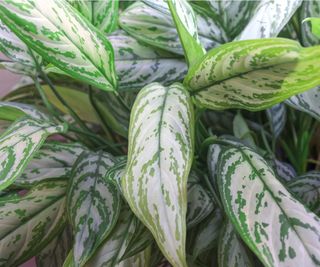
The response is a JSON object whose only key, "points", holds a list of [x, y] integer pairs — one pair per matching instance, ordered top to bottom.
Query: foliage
{"points": [[160, 133]]}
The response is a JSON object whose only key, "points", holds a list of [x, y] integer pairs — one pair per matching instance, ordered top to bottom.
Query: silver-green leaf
{"points": [[102, 14], [62, 37], [253, 75], [19, 143], [159, 159], [93, 204], [29, 222], [276, 227], [231, 251]]}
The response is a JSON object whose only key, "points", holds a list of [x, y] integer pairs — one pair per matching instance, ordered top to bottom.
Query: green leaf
{"points": [[309, 9], [102, 14], [269, 18], [185, 21], [153, 25], [315, 25], [62, 37], [13, 48], [138, 64], [253, 75], [76, 99], [307, 102], [14, 110], [114, 111], [277, 117], [242, 131], [18, 145], [159, 159], [52, 161], [307, 188], [93, 204], [200, 204], [29, 222], [276, 227], [111, 251], [231, 251], [55, 253], [141, 259]]}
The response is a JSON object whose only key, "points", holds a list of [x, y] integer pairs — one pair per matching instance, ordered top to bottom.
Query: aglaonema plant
{"points": [[160, 133]]}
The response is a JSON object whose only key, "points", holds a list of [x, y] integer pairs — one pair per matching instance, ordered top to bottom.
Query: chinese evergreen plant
{"points": [[154, 133]]}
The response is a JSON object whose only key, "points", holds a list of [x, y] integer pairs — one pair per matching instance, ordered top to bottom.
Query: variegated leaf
{"points": [[309, 9], [102, 14], [233, 15], [269, 18], [185, 21], [155, 26], [62, 37], [23, 61], [139, 65], [253, 75], [308, 102], [14, 110], [277, 118], [18, 145], [52, 161], [283, 170], [155, 182], [307, 188], [93, 204], [200, 205], [29, 222], [276, 227], [207, 233], [111, 251], [231, 252], [55, 253]]}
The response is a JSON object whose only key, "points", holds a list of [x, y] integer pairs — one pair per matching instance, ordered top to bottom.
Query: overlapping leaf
{"points": [[309, 9], [102, 14], [233, 15], [269, 18], [185, 21], [154, 25], [62, 37], [23, 62], [138, 64], [253, 75], [307, 102], [15, 110], [277, 118], [19, 143], [159, 160], [52, 161], [283, 170], [307, 188], [93, 204], [200, 204], [29, 222], [277, 227], [207, 233], [231, 251], [110, 253], [54, 254]]}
